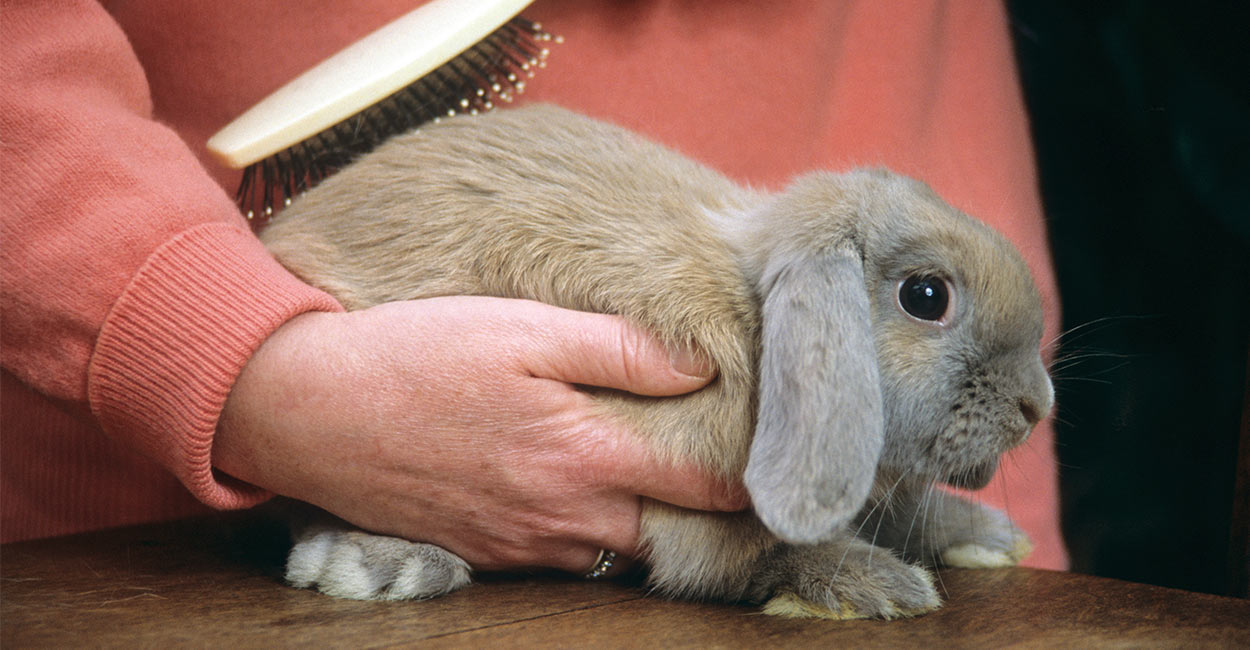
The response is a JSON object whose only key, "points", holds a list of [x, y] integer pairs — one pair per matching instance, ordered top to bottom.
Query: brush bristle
{"points": [[492, 71]]}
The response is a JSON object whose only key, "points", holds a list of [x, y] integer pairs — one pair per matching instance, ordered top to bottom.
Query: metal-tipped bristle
{"points": [[491, 71]]}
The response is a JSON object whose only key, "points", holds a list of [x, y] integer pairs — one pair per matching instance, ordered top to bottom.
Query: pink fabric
{"points": [[119, 244], [133, 291]]}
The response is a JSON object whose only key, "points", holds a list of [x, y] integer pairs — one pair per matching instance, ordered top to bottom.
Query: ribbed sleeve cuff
{"points": [[176, 340]]}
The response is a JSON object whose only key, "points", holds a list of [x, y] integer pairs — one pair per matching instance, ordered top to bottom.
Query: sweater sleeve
{"points": [[133, 290]]}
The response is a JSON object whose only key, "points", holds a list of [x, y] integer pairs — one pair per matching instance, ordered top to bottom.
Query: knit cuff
{"points": [[176, 340]]}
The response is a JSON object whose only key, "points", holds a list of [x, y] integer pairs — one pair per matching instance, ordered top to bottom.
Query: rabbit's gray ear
{"points": [[820, 427]]}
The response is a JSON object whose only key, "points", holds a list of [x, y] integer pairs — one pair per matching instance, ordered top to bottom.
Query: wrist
{"points": [[175, 340], [260, 405]]}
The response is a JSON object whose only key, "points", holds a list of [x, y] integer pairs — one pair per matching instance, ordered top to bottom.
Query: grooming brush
{"points": [[441, 59]]}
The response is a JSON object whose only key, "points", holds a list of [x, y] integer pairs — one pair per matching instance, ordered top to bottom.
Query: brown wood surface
{"points": [[213, 582]]}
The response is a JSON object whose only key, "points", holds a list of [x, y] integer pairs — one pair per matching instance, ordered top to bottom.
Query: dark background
{"points": [[1141, 120]]}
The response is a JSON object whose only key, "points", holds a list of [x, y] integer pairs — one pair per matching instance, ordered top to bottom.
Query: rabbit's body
{"points": [[518, 208], [776, 290]]}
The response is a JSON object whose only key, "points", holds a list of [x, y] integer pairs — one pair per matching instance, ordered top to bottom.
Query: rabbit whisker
{"points": [[1091, 327], [1070, 359], [1066, 362], [1090, 380], [887, 510], [864, 521], [911, 526], [932, 546]]}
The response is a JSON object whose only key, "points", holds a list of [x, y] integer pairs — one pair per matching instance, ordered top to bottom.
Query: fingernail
{"points": [[687, 362]]}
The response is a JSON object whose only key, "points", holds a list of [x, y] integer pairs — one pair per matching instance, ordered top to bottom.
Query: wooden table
{"points": [[212, 582]]}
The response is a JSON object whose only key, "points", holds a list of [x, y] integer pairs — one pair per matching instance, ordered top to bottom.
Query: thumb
{"points": [[607, 351]]}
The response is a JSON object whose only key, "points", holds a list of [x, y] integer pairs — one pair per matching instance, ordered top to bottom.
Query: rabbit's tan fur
{"points": [[793, 297]]}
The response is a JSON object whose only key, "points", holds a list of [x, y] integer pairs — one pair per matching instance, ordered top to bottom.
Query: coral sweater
{"points": [[133, 292]]}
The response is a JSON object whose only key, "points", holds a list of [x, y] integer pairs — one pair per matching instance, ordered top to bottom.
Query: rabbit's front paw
{"points": [[934, 527], [987, 540], [988, 553], [358, 565], [843, 580]]}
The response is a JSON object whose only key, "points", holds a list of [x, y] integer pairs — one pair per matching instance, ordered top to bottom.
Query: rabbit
{"points": [[872, 343]]}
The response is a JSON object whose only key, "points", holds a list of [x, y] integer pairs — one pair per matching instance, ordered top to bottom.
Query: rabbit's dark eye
{"points": [[924, 296]]}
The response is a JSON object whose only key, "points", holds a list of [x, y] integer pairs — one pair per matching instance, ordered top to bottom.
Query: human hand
{"points": [[454, 421]]}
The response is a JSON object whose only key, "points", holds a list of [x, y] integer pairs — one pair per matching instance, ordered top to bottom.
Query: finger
{"points": [[604, 350], [640, 471], [687, 486], [609, 522], [603, 563]]}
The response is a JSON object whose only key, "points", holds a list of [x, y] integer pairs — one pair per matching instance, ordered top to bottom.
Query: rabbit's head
{"points": [[899, 335]]}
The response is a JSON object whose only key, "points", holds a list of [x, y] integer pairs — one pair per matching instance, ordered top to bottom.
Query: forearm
{"points": [[133, 290]]}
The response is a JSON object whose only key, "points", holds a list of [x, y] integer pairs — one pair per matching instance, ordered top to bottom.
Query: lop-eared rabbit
{"points": [[872, 342]]}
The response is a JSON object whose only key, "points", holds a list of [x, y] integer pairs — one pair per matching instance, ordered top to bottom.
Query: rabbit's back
{"points": [[539, 203]]}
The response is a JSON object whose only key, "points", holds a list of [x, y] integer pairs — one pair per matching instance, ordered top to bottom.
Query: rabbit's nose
{"points": [[1037, 401], [1032, 411]]}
